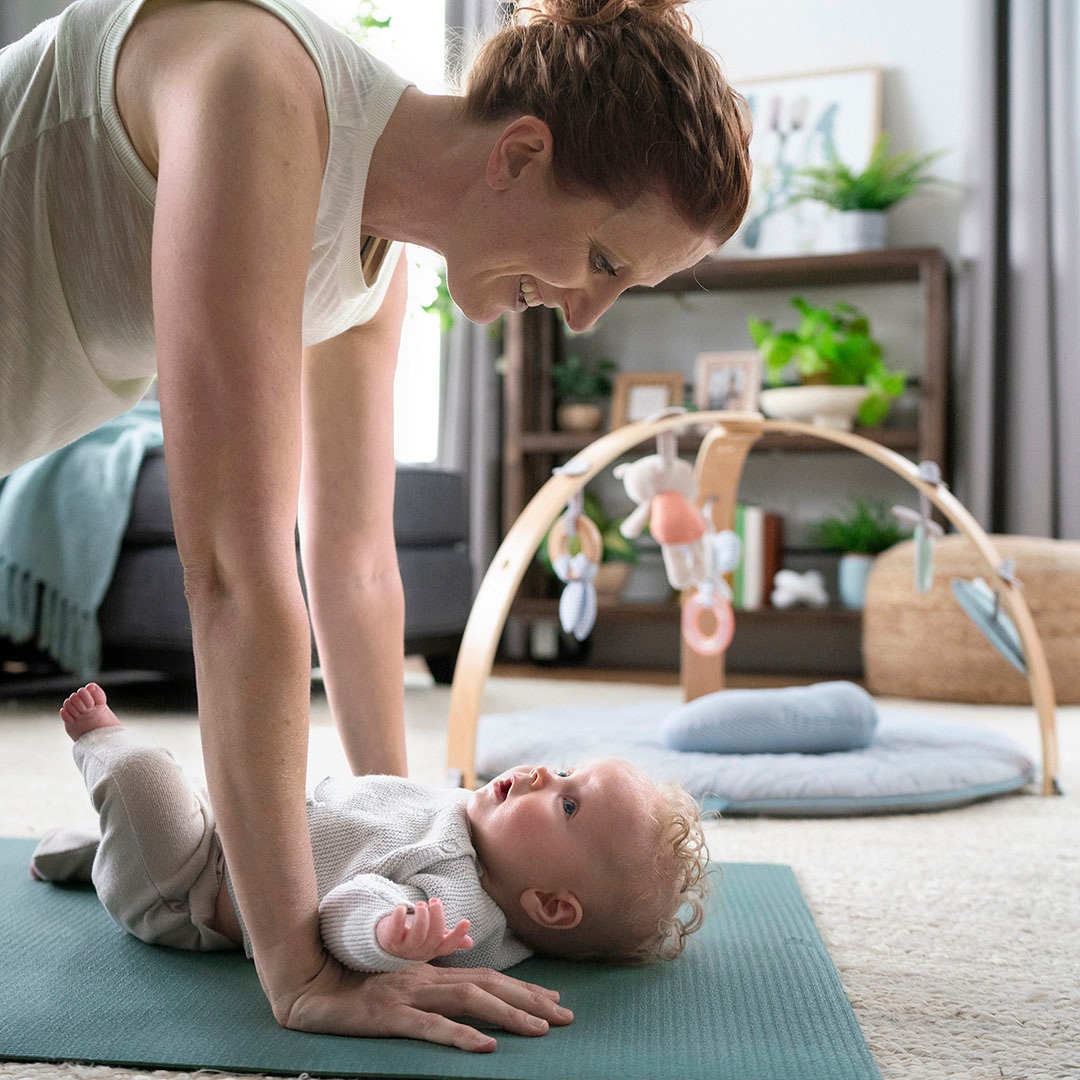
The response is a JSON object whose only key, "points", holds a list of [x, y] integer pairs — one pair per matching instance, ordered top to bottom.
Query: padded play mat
{"points": [[910, 762]]}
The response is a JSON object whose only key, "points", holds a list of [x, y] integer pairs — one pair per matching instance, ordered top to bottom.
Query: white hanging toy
{"points": [[662, 485], [926, 528], [577, 605]]}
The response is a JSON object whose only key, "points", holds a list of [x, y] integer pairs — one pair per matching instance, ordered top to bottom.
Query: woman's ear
{"points": [[523, 142], [560, 910]]}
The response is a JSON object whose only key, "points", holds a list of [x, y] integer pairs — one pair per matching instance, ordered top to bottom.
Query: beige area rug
{"points": [[956, 934]]}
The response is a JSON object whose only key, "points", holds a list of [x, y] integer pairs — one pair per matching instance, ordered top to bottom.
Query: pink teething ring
{"points": [[708, 644]]}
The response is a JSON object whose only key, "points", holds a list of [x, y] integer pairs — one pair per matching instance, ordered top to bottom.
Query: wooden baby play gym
{"points": [[995, 600]]}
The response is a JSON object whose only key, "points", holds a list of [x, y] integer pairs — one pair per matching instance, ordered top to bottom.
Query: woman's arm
{"points": [[237, 137], [239, 170], [347, 533]]}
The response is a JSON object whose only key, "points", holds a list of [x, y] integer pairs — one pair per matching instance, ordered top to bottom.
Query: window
{"points": [[413, 44]]}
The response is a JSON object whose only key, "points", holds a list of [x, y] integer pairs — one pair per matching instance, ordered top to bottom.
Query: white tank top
{"points": [[77, 211]]}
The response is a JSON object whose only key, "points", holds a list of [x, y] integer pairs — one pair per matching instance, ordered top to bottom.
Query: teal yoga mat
{"points": [[755, 997]]}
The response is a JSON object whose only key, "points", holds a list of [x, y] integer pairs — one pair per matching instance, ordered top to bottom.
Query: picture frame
{"points": [[799, 120], [728, 381], [638, 394]]}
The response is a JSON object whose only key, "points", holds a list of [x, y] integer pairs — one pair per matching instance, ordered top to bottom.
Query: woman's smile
{"points": [[529, 290]]}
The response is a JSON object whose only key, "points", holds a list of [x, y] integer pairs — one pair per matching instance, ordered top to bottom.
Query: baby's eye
{"points": [[600, 265], [562, 772], [569, 806]]}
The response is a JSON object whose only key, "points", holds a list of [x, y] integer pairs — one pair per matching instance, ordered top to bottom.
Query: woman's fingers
{"points": [[488, 996], [416, 1003]]}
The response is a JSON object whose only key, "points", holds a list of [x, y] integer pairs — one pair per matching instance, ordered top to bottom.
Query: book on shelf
{"points": [[761, 533]]}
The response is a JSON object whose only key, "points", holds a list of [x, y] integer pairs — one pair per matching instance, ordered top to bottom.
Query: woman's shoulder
{"points": [[233, 35]]}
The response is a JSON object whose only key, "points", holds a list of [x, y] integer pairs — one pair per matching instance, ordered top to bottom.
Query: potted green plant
{"points": [[864, 195], [832, 347], [579, 383], [863, 530], [620, 553]]}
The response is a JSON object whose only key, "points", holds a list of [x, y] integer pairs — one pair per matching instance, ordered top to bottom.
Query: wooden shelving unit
{"points": [[531, 445]]}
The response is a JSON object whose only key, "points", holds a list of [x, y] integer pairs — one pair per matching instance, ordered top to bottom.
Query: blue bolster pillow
{"points": [[818, 719]]}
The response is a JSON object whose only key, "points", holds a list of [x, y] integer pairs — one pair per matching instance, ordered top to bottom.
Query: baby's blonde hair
{"points": [[659, 874], [671, 893]]}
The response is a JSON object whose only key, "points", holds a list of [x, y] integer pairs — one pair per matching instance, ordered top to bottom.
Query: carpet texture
{"points": [[956, 934], [754, 995]]}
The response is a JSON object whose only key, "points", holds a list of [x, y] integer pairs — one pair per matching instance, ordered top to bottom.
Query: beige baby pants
{"points": [[159, 865]]}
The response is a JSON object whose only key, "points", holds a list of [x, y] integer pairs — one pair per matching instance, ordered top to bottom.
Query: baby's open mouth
{"points": [[502, 788]]}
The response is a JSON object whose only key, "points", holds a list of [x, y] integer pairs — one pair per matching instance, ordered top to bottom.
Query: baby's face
{"points": [[535, 828]]}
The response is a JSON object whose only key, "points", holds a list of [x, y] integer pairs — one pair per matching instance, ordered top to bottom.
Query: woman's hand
{"points": [[421, 934], [416, 1004]]}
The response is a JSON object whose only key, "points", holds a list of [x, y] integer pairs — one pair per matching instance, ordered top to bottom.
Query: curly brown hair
{"points": [[633, 101]]}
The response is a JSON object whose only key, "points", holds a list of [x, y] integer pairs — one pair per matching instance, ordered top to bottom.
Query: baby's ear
{"points": [[560, 910]]}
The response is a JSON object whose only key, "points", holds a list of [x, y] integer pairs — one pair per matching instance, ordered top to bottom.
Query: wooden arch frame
{"points": [[718, 470]]}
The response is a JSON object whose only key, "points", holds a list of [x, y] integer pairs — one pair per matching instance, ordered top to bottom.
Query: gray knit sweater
{"points": [[380, 841]]}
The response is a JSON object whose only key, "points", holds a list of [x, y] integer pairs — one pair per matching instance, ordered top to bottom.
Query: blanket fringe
{"points": [[66, 632]]}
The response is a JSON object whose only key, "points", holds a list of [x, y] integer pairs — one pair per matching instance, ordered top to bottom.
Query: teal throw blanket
{"points": [[62, 518]]}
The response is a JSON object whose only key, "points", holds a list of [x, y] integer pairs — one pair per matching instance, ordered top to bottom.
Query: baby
{"points": [[596, 862]]}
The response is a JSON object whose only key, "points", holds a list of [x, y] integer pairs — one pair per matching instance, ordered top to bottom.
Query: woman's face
{"points": [[577, 253]]}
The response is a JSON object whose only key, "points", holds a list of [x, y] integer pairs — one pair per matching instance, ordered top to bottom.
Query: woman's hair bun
{"points": [[596, 12], [634, 103]]}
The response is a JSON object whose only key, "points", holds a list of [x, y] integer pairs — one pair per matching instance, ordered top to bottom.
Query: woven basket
{"points": [[924, 646]]}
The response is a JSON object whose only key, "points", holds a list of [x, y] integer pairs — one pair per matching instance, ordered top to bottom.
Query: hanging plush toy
{"points": [[662, 485], [926, 529], [577, 605]]}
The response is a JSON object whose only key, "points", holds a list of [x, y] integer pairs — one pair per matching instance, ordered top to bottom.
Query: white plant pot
{"points": [[861, 230], [827, 406]]}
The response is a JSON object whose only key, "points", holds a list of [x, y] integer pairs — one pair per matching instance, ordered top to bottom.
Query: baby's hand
{"points": [[421, 935]]}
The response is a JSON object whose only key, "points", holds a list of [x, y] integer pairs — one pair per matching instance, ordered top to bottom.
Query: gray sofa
{"points": [[144, 617]]}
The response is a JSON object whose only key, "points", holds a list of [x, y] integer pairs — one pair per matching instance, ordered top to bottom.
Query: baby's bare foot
{"points": [[85, 710]]}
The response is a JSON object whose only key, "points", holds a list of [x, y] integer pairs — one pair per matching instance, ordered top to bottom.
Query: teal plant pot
{"points": [[853, 571]]}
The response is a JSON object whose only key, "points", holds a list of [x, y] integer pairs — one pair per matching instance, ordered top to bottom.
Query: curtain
{"points": [[1018, 389], [470, 435]]}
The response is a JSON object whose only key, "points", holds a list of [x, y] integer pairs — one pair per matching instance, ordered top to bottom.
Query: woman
{"points": [[215, 190]]}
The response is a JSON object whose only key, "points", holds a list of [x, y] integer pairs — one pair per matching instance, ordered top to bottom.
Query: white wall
{"points": [[19, 17], [926, 50]]}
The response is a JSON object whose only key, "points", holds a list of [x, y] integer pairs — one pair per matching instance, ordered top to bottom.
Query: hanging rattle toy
{"points": [[926, 528], [722, 552], [577, 604], [982, 605]]}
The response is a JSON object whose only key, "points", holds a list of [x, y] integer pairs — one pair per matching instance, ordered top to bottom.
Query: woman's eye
{"points": [[600, 265], [569, 806]]}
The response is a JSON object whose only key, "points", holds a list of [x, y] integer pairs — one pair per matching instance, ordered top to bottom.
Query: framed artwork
{"points": [[801, 121], [728, 380], [638, 394]]}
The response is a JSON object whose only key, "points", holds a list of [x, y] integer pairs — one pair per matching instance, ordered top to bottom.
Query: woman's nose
{"points": [[582, 308]]}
